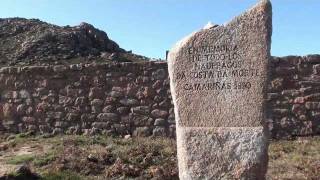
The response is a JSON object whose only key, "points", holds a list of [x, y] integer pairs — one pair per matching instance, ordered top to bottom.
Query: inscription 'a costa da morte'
{"points": [[217, 64]]}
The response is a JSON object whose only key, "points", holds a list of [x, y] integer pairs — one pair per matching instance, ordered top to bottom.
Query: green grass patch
{"points": [[20, 159], [44, 160], [63, 175]]}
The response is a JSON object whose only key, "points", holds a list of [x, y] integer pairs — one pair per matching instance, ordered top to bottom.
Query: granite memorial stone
{"points": [[218, 80]]}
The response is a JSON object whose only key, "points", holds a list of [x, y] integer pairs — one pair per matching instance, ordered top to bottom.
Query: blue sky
{"points": [[150, 27]]}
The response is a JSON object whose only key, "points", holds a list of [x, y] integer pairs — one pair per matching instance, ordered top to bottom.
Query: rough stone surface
{"points": [[230, 69], [218, 80], [242, 148]]}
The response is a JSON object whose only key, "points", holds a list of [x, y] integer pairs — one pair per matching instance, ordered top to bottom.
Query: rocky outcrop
{"points": [[31, 41]]}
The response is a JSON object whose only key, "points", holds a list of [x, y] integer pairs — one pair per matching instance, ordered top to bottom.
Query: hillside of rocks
{"points": [[31, 41]]}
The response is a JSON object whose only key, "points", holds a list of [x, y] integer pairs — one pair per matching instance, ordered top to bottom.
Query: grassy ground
{"points": [[81, 157], [299, 159]]}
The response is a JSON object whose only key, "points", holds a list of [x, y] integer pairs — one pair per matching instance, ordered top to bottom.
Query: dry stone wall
{"points": [[294, 96], [134, 98], [112, 99]]}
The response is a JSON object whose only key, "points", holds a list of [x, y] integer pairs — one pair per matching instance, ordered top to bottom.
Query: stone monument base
{"points": [[222, 152]]}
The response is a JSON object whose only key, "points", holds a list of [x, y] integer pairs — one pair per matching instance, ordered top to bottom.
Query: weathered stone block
{"points": [[60, 68], [316, 69], [159, 74], [291, 92], [96, 93], [116, 94], [315, 96], [299, 100], [81, 101], [129, 102], [96, 105], [312, 105], [21, 109], [108, 109], [298, 109], [8, 110], [123, 110], [145, 110], [280, 112], [158, 113], [73, 117], [108, 117], [29, 120], [140, 120], [160, 122], [61, 124], [101, 125], [45, 129], [159, 131], [142, 132], [222, 153]]}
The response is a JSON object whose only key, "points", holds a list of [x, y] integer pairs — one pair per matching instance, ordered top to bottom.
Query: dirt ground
{"points": [[81, 157]]}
